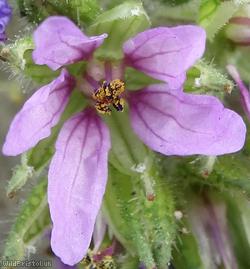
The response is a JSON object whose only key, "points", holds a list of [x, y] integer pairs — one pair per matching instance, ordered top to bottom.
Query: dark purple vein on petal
{"points": [[142, 44], [159, 53], [155, 72], [172, 95], [53, 115], [172, 117], [147, 125], [71, 134], [101, 138], [80, 160]]}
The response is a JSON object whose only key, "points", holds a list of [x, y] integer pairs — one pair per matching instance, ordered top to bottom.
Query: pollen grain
{"points": [[109, 94]]}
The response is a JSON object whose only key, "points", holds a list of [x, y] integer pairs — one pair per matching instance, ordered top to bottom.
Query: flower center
{"points": [[109, 94]]}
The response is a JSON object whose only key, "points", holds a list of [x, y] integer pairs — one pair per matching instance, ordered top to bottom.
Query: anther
{"points": [[109, 94]]}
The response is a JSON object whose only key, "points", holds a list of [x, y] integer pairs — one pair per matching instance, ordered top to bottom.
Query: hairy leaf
{"points": [[31, 222], [143, 224]]}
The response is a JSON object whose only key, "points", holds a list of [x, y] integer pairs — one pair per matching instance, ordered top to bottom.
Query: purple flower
{"points": [[5, 15], [244, 92], [163, 116], [60, 265]]}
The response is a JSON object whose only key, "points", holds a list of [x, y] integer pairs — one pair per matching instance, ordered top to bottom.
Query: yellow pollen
{"points": [[109, 94]]}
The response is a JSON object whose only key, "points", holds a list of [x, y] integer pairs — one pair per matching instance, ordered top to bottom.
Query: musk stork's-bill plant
{"points": [[119, 106]]}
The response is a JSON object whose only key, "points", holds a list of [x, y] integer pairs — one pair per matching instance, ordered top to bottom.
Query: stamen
{"points": [[108, 70], [91, 81], [109, 94], [118, 104]]}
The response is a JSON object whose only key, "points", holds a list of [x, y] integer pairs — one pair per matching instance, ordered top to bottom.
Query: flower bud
{"points": [[238, 29]]}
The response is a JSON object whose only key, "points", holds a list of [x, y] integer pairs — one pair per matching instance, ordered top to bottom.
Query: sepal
{"points": [[120, 23], [12, 56], [17, 57], [41, 74], [205, 78], [136, 80], [127, 150], [225, 173], [21, 174], [32, 220], [143, 224], [186, 254]]}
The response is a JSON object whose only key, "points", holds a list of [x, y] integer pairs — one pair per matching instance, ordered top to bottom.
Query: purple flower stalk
{"points": [[5, 15], [244, 91], [165, 118]]}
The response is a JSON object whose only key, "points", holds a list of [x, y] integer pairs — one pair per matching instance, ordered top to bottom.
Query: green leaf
{"points": [[207, 10], [83, 12], [214, 14], [120, 23], [77, 69], [41, 74], [136, 80], [127, 150], [40, 155], [232, 171], [226, 173], [20, 176], [31, 222], [144, 226], [38, 227], [186, 254], [129, 262]]}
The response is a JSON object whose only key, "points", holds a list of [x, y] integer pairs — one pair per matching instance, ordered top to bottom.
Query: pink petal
{"points": [[58, 42], [166, 53], [244, 92], [39, 114], [174, 123], [77, 180], [99, 231]]}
